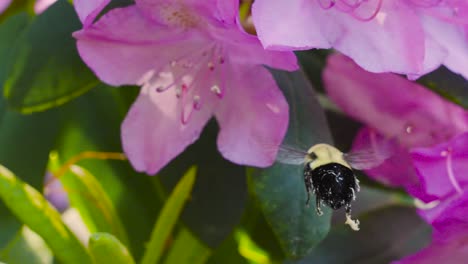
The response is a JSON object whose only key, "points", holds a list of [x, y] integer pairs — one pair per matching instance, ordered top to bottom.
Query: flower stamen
{"points": [[351, 7], [448, 165]]}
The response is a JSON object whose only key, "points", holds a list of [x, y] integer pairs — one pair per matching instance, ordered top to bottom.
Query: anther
{"points": [[221, 59], [211, 66], [215, 89], [196, 102], [409, 129]]}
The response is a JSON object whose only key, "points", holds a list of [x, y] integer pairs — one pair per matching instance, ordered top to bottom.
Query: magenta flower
{"points": [[4, 5], [405, 36], [193, 61], [432, 132], [449, 240]]}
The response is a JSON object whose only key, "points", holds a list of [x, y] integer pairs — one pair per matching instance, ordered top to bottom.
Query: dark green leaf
{"points": [[11, 29], [47, 69], [447, 84], [26, 142], [280, 189], [220, 191], [29, 206], [168, 217], [386, 235], [105, 248]]}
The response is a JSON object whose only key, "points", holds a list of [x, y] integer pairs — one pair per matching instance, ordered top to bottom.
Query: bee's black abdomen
{"points": [[334, 184]]}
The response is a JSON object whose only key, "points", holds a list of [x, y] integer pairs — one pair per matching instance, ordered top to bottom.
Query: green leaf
{"points": [[17, 6], [47, 70], [447, 84], [93, 124], [26, 153], [280, 189], [220, 191], [29, 206], [95, 207], [168, 218], [386, 235], [27, 247], [105, 248], [186, 248]]}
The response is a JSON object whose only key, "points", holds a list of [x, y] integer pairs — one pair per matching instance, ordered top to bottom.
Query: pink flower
{"points": [[4, 4], [41, 5], [88, 10], [405, 36], [193, 61], [432, 132], [432, 157], [449, 240]]}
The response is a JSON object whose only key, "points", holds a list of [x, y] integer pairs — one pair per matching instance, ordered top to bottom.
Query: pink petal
{"points": [[4, 5], [41, 5], [88, 10], [228, 10], [168, 12], [288, 25], [452, 40], [392, 41], [246, 49], [121, 53], [394, 106], [253, 114], [153, 134], [443, 168], [397, 171], [449, 242], [453, 251]]}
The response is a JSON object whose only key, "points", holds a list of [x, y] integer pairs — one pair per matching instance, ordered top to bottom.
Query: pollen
{"points": [[177, 15]]}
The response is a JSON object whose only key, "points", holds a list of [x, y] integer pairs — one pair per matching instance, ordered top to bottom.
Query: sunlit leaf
{"points": [[47, 70], [280, 189], [88, 196], [29, 206], [168, 218], [27, 247], [105, 248], [186, 248]]}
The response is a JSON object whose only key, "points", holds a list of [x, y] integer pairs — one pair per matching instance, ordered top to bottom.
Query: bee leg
{"points": [[308, 183], [317, 207], [354, 224]]}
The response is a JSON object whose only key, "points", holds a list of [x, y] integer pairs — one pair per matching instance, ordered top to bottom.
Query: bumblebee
{"points": [[328, 173]]}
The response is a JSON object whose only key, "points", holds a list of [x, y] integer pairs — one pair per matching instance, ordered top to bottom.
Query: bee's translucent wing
{"points": [[290, 155], [371, 157]]}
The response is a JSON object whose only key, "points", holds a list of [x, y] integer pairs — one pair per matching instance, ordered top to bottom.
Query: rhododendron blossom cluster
{"points": [[431, 159]]}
